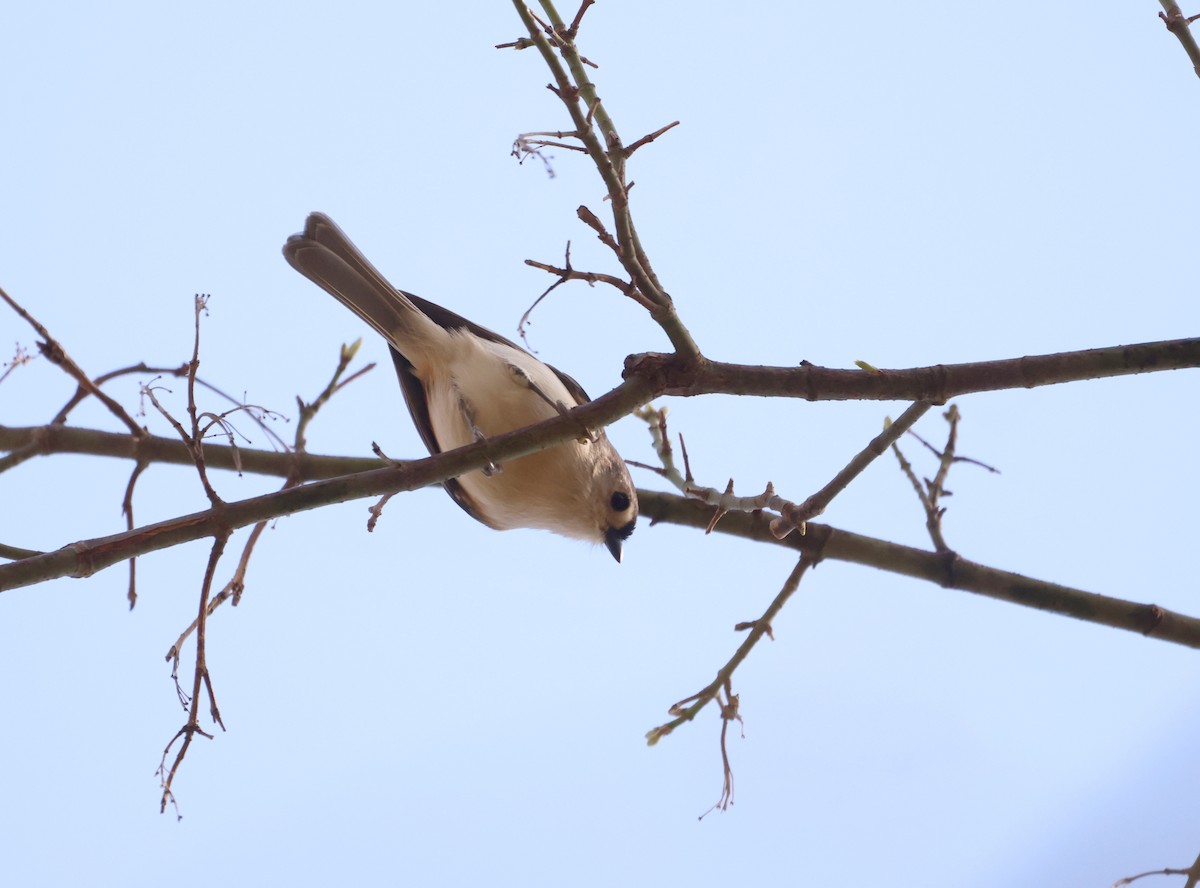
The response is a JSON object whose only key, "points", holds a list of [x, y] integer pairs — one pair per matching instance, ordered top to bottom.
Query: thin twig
{"points": [[574, 28], [599, 136], [646, 140], [593, 221], [589, 277], [56, 354], [19, 359], [82, 392], [931, 492], [127, 511], [792, 517], [16, 553], [236, 585], [201, 679], [685, 712], [729, 712]]}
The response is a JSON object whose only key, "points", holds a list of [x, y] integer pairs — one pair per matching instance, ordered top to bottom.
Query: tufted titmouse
{"points": [[462, 384]]}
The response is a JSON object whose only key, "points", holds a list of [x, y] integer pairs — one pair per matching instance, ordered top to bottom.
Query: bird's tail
{"points": [[324, 255]]}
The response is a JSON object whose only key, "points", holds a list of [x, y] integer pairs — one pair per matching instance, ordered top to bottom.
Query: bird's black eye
{"points": [[619, 501]]}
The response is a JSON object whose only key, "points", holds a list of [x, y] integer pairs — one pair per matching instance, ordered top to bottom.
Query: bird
{"points": [[463, 383]]}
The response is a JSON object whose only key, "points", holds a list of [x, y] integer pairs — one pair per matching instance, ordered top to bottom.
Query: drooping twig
{"points": [[127, 511], [233, 589], [201, 680], [729, 707], [688, 708]]}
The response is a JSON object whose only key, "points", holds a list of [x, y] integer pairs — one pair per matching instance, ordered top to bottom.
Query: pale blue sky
{"points": [[437, 703]]}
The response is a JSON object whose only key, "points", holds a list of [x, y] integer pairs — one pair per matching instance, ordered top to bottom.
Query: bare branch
{"points": [[1180, 25], [574, 28], [646, 140], [604, 147], [592, 221], [56, 354], [19, 359], [652, 376], [937, 384], [931, 492], [127, 511], [791, 516], [950, 571], [233, 589], [201, 679], [688, 708]]}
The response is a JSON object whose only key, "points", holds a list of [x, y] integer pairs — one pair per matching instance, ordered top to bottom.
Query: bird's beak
{"points": [[613, 542]]}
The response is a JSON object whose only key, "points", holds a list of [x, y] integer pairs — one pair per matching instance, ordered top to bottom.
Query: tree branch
{"points": [[1180, 25], [938, 383], [945, 569]]}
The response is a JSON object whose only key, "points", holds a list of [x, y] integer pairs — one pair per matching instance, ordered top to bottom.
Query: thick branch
{"points": [[1180, 25], [655, 375], [937, 384], [155, 449], [86, 557], [948, 570]]}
